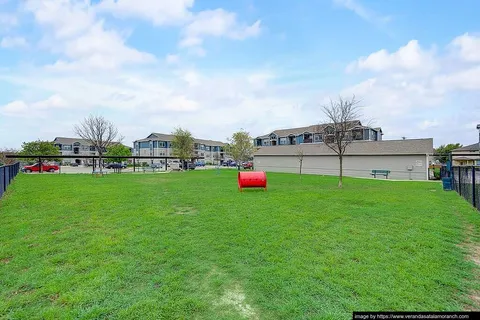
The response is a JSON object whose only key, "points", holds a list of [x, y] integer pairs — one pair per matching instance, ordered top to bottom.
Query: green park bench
{"points": [[381, 172]]}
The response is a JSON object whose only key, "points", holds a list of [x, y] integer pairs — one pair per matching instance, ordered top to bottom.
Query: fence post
{"points": [[473, 187]]}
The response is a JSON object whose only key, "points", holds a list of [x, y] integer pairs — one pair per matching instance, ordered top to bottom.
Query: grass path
{"points": [[190, 246]]}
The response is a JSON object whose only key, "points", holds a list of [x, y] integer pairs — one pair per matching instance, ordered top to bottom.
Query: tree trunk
{"points": [[301, 162], [340, 178]]}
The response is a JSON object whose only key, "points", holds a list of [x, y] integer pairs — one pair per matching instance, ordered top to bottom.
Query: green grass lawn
{"points": [[190, 246]]}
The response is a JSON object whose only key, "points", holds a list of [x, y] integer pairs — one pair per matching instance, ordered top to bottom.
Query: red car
{"points": [[248, 165], [45, 168]]}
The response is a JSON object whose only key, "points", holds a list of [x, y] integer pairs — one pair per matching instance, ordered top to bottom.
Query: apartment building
{"points": [[316, 134], [160, 144]]}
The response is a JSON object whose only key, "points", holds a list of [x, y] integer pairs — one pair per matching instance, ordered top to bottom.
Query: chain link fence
{"points": [[7, 173], [466, 181]]}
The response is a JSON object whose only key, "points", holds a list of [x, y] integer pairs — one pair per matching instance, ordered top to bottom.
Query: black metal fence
{"points": [[7, 173], [466, 181]]}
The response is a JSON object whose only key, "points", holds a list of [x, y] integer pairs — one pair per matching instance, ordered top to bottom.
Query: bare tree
{"points": [[99, 132], [337, 135], [300, 154], [3, 156]]}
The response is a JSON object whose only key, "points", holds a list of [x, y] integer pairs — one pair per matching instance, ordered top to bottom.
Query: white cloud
{"points": [[160, 12], [363, 12], [64, 18], [7, 20], [217, 23], [82, 39], [13, 42], [468, 47], [410, 57], [172, 59], [467, 79], [411, 85], [42, 108], [428, 124]]}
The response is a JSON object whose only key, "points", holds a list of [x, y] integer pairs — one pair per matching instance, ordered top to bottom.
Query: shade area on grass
{"points": [[190, 246]]}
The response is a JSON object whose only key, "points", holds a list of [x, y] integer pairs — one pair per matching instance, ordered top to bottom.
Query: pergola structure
{"points": [[46, 157]]}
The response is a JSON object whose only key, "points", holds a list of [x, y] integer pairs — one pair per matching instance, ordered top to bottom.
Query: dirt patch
{"points": [[185, 210], [6, 260], [25, 289], [53, 297], [235, 298]]}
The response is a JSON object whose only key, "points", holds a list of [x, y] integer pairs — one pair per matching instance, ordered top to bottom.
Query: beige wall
{"points": [[353, 166]]}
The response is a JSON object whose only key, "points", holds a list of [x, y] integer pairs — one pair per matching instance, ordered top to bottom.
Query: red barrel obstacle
{"points": [[255, 179]]}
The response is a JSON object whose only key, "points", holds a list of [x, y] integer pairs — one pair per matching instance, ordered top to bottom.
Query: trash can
{"points": [[447, 183]]}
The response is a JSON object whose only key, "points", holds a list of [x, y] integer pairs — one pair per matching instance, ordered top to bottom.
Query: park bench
{"points": [[381, 172]]}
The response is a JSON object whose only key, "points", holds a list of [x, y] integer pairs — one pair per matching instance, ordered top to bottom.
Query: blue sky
{"points": [[215, 67]]}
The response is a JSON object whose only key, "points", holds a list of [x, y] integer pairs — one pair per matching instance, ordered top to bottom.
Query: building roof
{"points": [[316, 128], [169, 137], [63, 140], [385, 147], [471, 147], [463, 158]]}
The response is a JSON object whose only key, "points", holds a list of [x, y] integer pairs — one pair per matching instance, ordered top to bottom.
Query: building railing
{"points": [[7, 173], [466, 181]]}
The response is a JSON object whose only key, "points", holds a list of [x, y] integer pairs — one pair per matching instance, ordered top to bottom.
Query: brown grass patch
{"points": [[185, 210], [6, 260]]}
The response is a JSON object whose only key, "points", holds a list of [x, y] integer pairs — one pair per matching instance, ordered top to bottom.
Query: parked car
{"points": [[74, 164], [200, 164], [232, 164], [157, 165], [247, 165], [116, 166], [189, 166], [45, 168]]}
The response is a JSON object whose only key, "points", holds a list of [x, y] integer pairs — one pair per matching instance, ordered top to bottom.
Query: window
{"points": [[329, 130], [357, 134], [318, 137], [307, 138], [283, 140], [76, 144], [144, 144], [162, 144], [67, 147], [202, 147], [92, 148], [207, 148]]}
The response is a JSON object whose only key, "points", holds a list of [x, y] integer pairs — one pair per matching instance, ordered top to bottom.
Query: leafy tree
{"points": [[99, 132], [337, 135], [182, 144], [240, 146], [39, 148], [120, 150], [444, 150]]}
